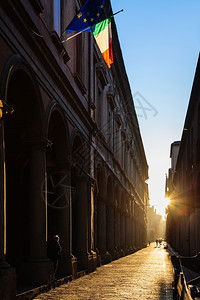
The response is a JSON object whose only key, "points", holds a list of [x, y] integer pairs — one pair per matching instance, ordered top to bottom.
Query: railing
{"points": [[182, 287]]}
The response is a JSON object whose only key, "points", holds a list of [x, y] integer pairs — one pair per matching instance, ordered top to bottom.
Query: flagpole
{"points": [[117, 13], [69, 38]]}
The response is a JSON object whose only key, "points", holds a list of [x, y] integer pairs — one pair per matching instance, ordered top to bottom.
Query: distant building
{"points": [[175, 146], [72, 161], [169, 189], [183, 211], [156, 226]]}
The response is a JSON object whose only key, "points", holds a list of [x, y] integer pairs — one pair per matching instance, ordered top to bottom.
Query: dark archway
{"points": [[25, 169], [57, 173], [76, 174], [58, 184], [80, 202], [101, 211], [110, 217], [117, 221], [122, 224], [127, 224], [132, 233]]}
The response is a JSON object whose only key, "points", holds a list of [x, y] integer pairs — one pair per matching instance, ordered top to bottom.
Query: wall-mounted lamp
{"points": [[5, 109]]}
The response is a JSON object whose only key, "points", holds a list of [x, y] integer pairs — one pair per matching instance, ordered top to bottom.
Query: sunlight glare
{"points": [[166, 201]]}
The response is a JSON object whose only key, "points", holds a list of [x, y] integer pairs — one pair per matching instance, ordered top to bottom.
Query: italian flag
{"points": [[103, 36]]}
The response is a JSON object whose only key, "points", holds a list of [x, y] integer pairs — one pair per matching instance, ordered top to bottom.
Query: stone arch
{"points": [[17, 68], [57, 133], [79, 152], [25, 169], [101, 210], [110, 217], [117, 220], [122, 222], [128, 223]]}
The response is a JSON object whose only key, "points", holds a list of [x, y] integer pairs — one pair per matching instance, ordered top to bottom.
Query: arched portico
{"points": [[58, 187], [80, 206], [101, 211], [110, 218], [117, 221], [122, 224], [128, 224], [132, 232], [25, 240]]}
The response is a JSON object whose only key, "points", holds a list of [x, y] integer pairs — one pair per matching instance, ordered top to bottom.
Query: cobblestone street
{"points": [[146, 274]]}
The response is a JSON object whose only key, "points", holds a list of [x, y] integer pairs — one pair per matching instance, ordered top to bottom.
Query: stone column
{"points": [[82, 207], [92, 217], [101, 223], [92, 229], [110, 229], [117, 233], [122, 233], [127, 233], [131, 233], [134, 234], [137, 234], [84, 258], [67, 262], [3, 263], [37, 269], [7, 274]]}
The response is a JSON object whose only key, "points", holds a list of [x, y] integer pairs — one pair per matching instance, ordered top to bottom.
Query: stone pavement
{"points": [[146, 274]]}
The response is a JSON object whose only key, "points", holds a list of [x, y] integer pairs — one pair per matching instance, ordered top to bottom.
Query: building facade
{"points": [[72, 161], [183, 186], [156, 226]]}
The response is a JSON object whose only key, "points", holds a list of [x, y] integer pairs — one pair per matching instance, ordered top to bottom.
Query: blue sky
{"points": [[160, 42]]}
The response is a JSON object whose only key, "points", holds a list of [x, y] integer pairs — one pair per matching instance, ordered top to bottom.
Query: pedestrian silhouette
{"points": [[54, 250]]}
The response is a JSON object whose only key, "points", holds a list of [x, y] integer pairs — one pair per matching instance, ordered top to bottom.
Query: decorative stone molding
{"points": [[59, 45], [101, 74], [80, 83], [110, 96], [118, 118]]}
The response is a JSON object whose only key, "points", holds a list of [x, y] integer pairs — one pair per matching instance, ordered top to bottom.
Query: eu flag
{"points": [[87, 17]]}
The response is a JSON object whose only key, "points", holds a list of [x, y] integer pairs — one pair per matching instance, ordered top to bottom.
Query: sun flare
{"points": [[166, 202]]}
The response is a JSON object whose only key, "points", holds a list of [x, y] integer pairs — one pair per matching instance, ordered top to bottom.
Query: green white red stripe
{"points": [[103, 36]]}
